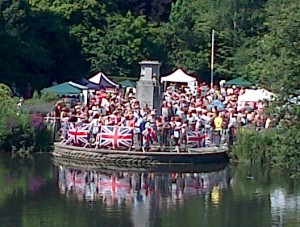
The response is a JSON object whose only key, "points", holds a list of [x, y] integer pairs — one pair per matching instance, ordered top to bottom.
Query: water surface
{"points": [[35, 192]]}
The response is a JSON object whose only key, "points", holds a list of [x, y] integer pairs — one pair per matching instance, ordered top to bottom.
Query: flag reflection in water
{"points": [[131, 187]]}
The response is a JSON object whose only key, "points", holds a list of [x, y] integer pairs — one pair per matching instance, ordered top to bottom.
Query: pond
{"points": [[39, 192]]}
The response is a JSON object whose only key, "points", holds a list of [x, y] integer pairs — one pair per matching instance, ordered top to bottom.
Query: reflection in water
{"points": [[142, 192], [227, 198], [284, 204]]}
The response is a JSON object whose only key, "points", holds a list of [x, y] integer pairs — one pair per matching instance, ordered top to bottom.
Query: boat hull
{"points": [[207, 155], [89, 165]]}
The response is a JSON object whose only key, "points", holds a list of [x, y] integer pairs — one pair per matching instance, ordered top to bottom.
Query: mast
{"points": [[212, 59]]}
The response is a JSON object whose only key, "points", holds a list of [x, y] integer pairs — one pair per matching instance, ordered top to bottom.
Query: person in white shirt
{"points": [[229, 91], [105, 103], [177, 133]]}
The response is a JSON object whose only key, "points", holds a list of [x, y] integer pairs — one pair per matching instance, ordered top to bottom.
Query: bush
{"points": [[5, 92], [40, 103], [21, 130], [41, 134], [253, 146], [276, 147]]}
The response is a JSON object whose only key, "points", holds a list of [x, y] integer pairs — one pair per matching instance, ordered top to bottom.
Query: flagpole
{"points": [[212, 59]]}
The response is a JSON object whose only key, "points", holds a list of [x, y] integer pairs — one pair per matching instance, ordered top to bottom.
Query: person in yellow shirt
{"points": [[218, 123]]}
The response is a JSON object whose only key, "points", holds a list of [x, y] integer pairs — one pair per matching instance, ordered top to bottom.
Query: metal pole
{"points": [[212, 59]]}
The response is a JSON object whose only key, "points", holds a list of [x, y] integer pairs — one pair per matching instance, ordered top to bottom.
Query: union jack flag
{"points": [[78, 135], [116, 136], [194, 139], [207, 140], [75, 178], [80, 178], [69, 180], [113, 185], [192, 185]]}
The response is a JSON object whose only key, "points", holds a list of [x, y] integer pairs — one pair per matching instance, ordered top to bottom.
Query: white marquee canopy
{"points": [[178, 76], [101, 79], [251, 95]]}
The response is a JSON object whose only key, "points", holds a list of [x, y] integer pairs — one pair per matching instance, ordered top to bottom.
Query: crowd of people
{"points": [[214, 112]]}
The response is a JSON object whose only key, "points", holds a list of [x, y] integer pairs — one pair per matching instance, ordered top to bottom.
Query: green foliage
{"points": [[186, 37], [59, 39], [43, 40], [36, 46], [122, 46], [275, 62], [5, 92], [40, 103], [12, 125], [20, 130], [42, 139], [253, 146], [277, 147]]}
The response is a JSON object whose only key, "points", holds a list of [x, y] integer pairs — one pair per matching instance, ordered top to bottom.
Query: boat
{"points": [[115, 147], [141, 159], [94, 165]]}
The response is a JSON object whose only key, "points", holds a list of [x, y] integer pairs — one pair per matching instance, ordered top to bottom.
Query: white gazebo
{"points": [[178, 76], [101, 79], [254, 96]]}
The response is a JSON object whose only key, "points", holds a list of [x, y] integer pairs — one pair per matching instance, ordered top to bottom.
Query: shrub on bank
{"points": [[40, 103], [21, 130], [24, 131], [253, 146], [277, 147]]}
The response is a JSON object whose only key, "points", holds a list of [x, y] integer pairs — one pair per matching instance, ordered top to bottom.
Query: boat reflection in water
{"points": [[119, 188]]}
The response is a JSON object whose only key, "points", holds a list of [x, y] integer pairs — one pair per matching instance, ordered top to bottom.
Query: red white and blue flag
{"points": [[78, 135], [116, 136], [194, 139], [207, 140], [79, 179], [113, 185], [192, 185]]}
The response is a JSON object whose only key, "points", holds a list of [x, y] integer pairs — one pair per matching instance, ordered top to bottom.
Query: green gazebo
{"points": [[239, 82], [127, 83], [67, 88]]}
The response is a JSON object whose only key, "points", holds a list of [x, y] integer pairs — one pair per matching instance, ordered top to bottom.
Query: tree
{"points": [[155, 11], [186, 36], [37, 46], [122, 46], [275, 63]]}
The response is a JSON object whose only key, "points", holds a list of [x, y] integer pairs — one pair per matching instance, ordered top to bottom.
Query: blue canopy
{"points": [[89, 84]]}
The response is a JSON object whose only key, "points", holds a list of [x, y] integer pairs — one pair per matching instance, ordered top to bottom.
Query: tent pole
{"points": [[212, 59]]}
